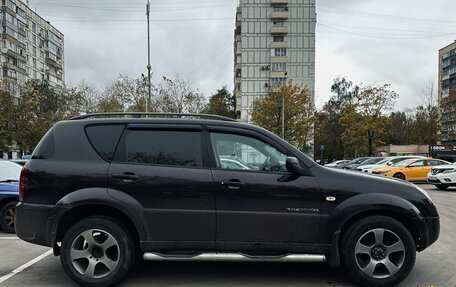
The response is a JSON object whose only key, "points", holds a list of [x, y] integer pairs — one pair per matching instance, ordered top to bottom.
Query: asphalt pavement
{"points": [[23, 264]]}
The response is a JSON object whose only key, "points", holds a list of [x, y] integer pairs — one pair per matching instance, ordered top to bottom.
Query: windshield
{"points": [[374, 160], [383, 161], [405, 162], [9, 171]]}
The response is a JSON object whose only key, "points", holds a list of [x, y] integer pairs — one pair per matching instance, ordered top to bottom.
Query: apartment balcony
{"points": [[279, 2], [279, 15], [279, 30], [279, 45], [279, 59], [278, 74]]}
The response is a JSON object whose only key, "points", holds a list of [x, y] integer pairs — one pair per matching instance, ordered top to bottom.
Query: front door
{"points": [[166, 170], [258, 201]]}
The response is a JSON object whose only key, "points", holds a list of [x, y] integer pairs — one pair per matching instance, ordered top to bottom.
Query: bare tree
{"points": [[178, 96], [431, 113]]}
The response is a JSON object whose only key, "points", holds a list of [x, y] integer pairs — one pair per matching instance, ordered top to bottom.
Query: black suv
{"points": [[105, 191]]}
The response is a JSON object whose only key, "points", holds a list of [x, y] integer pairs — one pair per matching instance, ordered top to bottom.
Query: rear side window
{"points": [[104, 139], [45, 148], [174, 148]]}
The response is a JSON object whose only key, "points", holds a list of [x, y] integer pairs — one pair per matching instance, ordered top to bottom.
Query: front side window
{"points": [[172, 148], [245, 153], [418, 163]]}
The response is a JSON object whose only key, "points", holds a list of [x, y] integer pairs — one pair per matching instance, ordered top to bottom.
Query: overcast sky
{"points": [[387, 41]]}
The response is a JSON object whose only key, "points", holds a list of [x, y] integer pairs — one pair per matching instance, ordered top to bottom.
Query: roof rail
{"points": [[140, 115]]}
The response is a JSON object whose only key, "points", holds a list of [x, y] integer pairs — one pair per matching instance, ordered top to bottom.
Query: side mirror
{"points": [[389, 164], [292, 165]]}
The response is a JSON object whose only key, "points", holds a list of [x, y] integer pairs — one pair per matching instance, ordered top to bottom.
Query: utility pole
{"points": [[149, 67], [283, 115]]}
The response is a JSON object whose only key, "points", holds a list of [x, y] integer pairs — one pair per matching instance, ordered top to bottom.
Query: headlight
{"points": [[449, 171]]}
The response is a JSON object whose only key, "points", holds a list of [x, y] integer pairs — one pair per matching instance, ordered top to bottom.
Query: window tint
{"points": [[104, 139], [45, 148], [176, 148], [246, 153], [417, 163]]}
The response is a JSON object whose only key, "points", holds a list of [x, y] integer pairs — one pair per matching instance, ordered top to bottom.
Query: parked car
{"points": [[372, 160], [355, 161], [389, 161], [21, 162], [233, 163], [337, 163], [411, 169], [443, 176], [102, 191], [9, 194]]}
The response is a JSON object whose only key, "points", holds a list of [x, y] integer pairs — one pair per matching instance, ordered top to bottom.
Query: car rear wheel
{"points": [[399, 175], [442, 187], [8, 217], [378, 251], [97, 252]]}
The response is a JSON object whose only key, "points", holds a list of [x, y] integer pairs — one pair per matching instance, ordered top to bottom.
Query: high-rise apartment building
{"points": [[274, 43], [31, 48], [447, 93]]}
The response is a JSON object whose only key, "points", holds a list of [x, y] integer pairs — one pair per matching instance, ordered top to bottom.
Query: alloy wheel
{"points": [[379, 253]]}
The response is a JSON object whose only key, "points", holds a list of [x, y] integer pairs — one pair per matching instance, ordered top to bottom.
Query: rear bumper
{"points": [[34, 223]]}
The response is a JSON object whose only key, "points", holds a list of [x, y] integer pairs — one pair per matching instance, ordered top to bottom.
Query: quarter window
{"points": [[174, 148], [245, 153]]}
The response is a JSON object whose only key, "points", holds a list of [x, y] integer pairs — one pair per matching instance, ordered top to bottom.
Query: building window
{"points": [[280, 8], [279, 24], [279, 38], [279, 52], [279, 67], [278, 82]]}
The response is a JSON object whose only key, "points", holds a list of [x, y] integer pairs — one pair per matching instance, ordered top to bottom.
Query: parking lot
{"points": [[23, 264]]}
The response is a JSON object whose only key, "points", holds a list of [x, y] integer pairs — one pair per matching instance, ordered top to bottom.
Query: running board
{"points": [[235, 257]]}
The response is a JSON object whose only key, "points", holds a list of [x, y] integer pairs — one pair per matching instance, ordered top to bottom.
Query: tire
{"points": [[399, 176], [442, 187], [8, 216], [373, 240], [97, 252]]}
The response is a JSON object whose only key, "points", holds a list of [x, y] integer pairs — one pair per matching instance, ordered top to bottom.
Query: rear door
{"points": [[165, 168], [259, 203]]}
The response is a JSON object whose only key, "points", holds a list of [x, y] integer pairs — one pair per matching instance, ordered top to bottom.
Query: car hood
{"points": [[444, 167], [9, 187]]}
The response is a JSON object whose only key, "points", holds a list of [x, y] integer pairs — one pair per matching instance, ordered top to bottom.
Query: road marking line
{"points": [[8, 238], [25, 266]]}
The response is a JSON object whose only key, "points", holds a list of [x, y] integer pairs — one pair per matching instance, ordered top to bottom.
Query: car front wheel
{"points": [[378, 251], [97, 252]]}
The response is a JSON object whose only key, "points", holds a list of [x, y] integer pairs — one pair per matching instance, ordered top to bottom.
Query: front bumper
{"points": [[34, 224], [429, 229]]}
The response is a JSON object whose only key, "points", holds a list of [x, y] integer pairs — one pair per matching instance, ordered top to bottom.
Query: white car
{"points": [[388, 161], [336, 163], [442, 176]]}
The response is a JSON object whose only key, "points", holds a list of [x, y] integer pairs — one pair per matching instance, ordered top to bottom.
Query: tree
{"points": [[177, 96], [222, 103], [299, 114], [431, 114], [9, 118], [365, 118], [328, 127]]}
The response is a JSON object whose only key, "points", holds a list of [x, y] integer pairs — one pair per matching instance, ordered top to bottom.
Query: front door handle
{"points": [[126, 177], [232, 184]]}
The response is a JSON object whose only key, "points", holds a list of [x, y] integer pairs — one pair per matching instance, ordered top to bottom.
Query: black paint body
{"points": [[189, 209]]}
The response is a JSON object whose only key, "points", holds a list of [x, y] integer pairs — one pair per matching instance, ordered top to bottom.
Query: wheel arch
{"points": [[95, 202]]}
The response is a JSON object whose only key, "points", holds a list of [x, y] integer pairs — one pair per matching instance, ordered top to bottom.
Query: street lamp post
{"points": [[149, 67]]}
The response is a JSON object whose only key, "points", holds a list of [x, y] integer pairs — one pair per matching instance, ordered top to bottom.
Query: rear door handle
{"points": [[232, 184]]}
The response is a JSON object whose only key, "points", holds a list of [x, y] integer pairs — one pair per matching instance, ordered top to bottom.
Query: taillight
{"points": [[23, 183]]}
